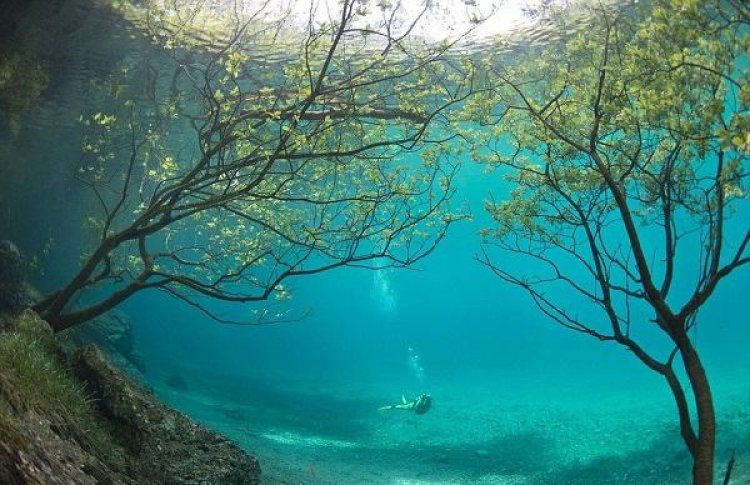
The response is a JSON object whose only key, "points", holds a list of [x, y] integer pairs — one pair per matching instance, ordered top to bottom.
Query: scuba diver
{"points": [[420, 405]]}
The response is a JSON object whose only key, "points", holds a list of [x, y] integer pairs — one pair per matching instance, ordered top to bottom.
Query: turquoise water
{"points": [[517, 398], [486, 427]]}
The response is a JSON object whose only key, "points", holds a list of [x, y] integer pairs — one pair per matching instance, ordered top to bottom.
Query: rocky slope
{"points": [[83, 420]]}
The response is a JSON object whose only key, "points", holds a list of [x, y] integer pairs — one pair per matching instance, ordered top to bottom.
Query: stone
{"points": [[14, 296], [113, 333], [176, 382], [164, 444], [52, 458]]}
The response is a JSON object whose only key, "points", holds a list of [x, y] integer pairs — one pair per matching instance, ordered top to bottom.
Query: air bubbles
{"points": [[383, 294], [415, 364]]}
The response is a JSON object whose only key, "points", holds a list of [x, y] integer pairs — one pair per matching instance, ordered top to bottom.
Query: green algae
{"points": [[34, 378]]}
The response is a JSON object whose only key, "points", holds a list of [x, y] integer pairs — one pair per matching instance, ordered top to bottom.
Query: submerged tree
{"points": [[627, 151], [248, 153]]}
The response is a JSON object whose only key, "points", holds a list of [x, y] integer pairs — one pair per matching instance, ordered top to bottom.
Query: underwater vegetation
{"points": [[230, 151], [35, 381], [80, 420]]}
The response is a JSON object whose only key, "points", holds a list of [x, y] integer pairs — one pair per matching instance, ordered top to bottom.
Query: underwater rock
{"points": [[14, 294], [111, 329], [111, 332], [176, 382], [235, 414], [47, 433], [51, 434], [166, 445], [51, 458], [443, 458]]}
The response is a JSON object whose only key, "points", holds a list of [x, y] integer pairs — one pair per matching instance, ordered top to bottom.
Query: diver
{"points": [[420, 405]]}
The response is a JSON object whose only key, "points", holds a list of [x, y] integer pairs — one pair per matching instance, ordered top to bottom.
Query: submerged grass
{"points": [[35, 377], [11, 433]]}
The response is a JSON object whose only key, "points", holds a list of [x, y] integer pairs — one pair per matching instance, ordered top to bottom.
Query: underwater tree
{"points": [[625, 149], [248, 150]]}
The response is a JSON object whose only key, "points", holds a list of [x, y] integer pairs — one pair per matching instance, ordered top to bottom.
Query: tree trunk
{"points": [[703, 452]]}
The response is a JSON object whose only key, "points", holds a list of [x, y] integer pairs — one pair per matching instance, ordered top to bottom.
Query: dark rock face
{"points": [[14, 296], [111, 332], [43, 438], [166, 446], [52, 459]]}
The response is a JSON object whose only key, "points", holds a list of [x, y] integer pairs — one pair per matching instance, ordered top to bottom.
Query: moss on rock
{"points": [[47, 420], [58, 422], [164, 443]]}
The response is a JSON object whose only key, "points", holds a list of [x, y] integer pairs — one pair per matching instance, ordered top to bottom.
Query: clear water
{"points": [[517, 399]]}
